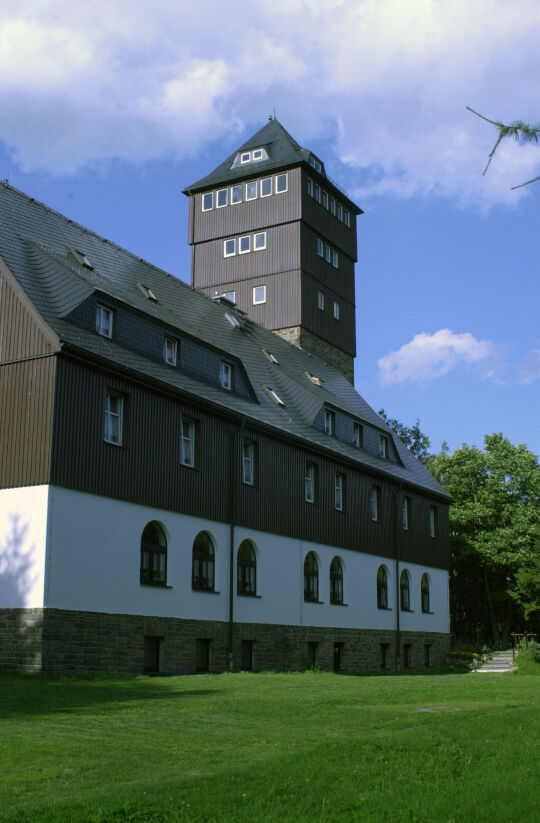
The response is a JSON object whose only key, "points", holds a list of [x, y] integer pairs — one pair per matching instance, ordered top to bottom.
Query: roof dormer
{"points": [[249, 156]]}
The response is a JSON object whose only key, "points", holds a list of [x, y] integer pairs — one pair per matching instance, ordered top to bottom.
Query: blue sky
{"points": [[109, 110]]}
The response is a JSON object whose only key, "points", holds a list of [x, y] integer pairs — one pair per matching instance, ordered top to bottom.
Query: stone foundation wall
{"points": [[299, 336], [58, 641]]}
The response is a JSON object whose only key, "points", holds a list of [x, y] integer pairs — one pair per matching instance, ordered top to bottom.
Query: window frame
{"points": [[245, 157], [278, 177], [253, 184], [309, 187], [234, 189], [268, 193], [317, 193], [206, 194], [324, 199], [226, 203], [259, 234], [244, 237], [225, 243], [320, 247], [327, 253], [335, 259], [227, 296], [320, 300], [259, 302], [336, 310], [102, 328], [172, 358], [225, 375], [110, 416], [329, 422], [358, 432], [188, 441], [383, 446], [248, 461], [310, 474], [339, 491], [375, 503], [405, 512], [433, 524], [152, 551], [203, 564], [246, 570], [311, 578], [336, 582], [382, 587], [405, 591], [425, 593]]}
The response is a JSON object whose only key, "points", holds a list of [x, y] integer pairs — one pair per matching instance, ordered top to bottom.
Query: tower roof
{"points": [[282, 151]]}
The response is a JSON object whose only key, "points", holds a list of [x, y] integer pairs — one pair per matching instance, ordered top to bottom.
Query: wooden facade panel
{"points": [[249, 215], [325, 223], [282, 253], [341, 279], [283, 300], [340, 332], [20, 335], [26, 407], [146, 469]]}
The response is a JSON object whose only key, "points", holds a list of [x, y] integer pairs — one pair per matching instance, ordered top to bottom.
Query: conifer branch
{"points": [[519, 130]]}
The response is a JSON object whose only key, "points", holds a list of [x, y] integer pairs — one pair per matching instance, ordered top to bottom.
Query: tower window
{"points": [[257, 154], [245, 157], [281, 183], [266, 187], [310, 187], [251, 190], [317, 193], [236, 194], [221, 198], [325, 199], [208, 201], [332, 206], [339, 211], [347, 218], [259, 241], [244, 244], [229, 247], [320, 247], [327, 253], [335, 258], [259, 295], [320, 300], [336, 310]]}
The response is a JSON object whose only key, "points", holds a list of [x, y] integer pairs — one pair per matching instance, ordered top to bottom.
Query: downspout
{"points": [[399, 499], [232, 506]]}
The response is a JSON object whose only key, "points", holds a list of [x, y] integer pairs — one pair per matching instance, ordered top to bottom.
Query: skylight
{"points": [[80, 257], [147, 291], [232, 320], [271, 357], [314, 379], [273, 396]]}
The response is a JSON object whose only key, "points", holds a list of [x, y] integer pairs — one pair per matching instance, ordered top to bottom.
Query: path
{"points": [[500, 662]]}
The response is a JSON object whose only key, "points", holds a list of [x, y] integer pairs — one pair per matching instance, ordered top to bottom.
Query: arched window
{"points": [[153, 555], [246, 569], [202, 578], [311, 578], [336, 581], [382, 588], [404, 591], [424, 593]]}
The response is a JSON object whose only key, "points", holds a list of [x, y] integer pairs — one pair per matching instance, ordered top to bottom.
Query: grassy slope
{"points": [[270, 747]]}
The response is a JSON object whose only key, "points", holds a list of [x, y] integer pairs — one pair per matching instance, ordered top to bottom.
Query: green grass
{"points": [[528, 660], [270, 747]]}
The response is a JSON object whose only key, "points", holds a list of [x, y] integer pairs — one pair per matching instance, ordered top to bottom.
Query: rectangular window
{"points": [[258, 154], [245, 157], [281, 183], [266, 187], [309, 188], [251, 190], [317, 193], [236, 194], [221, 198], [325, 199], [208, 201], [332, 206], [339, 211], [347, 218], [259, 240], [244, 244], [229, 247], [320, 247], [327, 253], [335, 259], [229, 295], [259, 295], [320, 300], [336, 310], [104, 321], [170, 350], [225, 375], [114, 411], [329, 422], [358, 431], [187, 442], [383, 446], [248, 462], [310, 483], [339, 491], [375, 503], [405, 512], [433, 521]]}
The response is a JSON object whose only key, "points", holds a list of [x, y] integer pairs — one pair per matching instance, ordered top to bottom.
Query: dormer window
{"points": [[257, 154], [252, 156], [245, 157], [315, 163], [104, 321], [170, 350], [225, 375], [329, 422], [383, 446]]}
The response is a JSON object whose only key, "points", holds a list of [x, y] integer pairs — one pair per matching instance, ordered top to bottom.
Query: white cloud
{"points": [[388, 81], [428, 356], [530, 368]]}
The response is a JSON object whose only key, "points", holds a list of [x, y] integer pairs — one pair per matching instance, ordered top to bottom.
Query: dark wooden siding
{"points": [[250, 215], [324, 223], [282, 253], [340, 280], [283, 299], [22, 332], [26, 405], [147, 470]]}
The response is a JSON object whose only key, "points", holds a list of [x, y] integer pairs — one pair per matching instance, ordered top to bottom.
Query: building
{"points": [[188, 479]]}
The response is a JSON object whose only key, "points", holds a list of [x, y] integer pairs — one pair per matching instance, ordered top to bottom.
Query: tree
{"points": [[519, 130], [415, 439], [494, 527]]}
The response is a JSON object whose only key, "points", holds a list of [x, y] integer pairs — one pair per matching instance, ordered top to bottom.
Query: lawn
{"points": [[270, 747]]}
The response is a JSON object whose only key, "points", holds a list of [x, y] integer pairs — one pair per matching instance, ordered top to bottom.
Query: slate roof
{"points": [[283, 152], [36, 244]]}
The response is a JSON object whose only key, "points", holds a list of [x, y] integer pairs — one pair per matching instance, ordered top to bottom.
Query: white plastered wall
{"points": [[23, 538], [94, 563]]}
